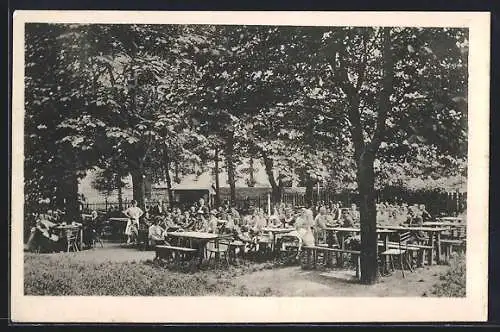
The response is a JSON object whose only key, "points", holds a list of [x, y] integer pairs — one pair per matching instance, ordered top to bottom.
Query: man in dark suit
{"points": [[157, 210]]}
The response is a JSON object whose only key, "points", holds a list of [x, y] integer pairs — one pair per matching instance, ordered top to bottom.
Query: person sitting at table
{"points": [[134, 213], [234, 213], [354, 213], [426, 216], [346, 219], [415, 220], [188, 221], [274, 221], [213, 222], [321, 222], [169, 224], [201, 224], [91, 229], [303, 230], [156, 234], [43, 235]]}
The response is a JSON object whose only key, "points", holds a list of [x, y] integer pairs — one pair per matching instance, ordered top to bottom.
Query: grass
{"points": [[57, 275], [60, 276], [452, 283]]}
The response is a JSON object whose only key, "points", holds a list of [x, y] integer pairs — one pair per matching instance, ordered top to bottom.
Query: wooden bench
{"points": [[315, 249], [176, 254]]}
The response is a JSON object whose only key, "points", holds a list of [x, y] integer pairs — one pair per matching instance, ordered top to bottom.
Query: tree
{"points": [[140, 75], [397, 83], [54, 162]]}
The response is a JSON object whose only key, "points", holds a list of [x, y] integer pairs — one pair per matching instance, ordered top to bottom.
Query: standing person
{"points": [[157, 210], [132, 228]]}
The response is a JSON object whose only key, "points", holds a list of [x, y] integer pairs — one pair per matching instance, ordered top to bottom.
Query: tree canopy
{"points": [[335, 105]]}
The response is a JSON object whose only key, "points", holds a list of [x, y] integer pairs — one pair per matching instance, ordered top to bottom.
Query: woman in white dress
{"points": [[132, 229]]}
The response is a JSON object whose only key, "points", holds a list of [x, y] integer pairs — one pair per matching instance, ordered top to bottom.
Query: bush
{"points": [[58, 275], [452, 283]]}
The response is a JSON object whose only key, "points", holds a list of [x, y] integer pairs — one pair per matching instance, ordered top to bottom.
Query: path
{"points": [[112, 252], [293, 281]]}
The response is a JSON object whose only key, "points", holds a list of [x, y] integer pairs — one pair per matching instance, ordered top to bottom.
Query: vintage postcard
{"points": [[173, 167]]}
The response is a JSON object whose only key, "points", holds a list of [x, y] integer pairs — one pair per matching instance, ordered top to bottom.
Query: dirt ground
{"points": [[293, 281]]}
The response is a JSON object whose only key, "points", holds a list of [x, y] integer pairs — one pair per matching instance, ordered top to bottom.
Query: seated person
{"points": [[354, 213], [346, 219], [187, 221], [274, 221], [213, 222], [321, 222], [201, 223], [156, 234], [43, 236]]}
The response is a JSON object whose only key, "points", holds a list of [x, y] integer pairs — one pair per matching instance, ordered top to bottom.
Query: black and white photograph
{"points": [[250, 167]]}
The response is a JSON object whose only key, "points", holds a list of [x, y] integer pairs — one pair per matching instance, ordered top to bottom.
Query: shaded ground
{"points": [[112, 252], [251, 279], [293, 281]]}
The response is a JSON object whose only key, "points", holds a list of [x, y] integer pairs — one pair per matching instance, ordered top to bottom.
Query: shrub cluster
{"points": [[452, 283]]}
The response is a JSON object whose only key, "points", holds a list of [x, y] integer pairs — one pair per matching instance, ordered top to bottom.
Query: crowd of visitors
{"points": [[306, 225]]}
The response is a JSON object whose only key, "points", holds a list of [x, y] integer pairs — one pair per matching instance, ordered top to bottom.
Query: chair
{"points": [[72, 236], [288, 248], [222, 249], [401, 252]]}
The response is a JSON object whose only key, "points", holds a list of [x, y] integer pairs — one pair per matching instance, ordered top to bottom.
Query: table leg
{"points": [[81, 238], [329, 240], [431, 244], [438, 249], [217, 254], [384, 257], [340, 260]]}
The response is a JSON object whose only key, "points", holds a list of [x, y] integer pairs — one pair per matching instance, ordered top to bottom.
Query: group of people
{"points": [[402, 214], [307, 225], [44, 234]]}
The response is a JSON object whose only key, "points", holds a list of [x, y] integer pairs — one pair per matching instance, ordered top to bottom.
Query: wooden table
{"points": [[119, 219], [452, 219], [443, 224], [70, 227], [456, 230], [274, 232], [433, 232], [203, 238]]}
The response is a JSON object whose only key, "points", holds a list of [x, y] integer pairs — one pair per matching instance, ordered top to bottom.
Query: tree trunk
{"points": [[231, 168], [168, 180], [217, 181], [251, 182], [139, 186], [275, 188], [309, 190], [120, 192], [70, 195], [368, 219]]}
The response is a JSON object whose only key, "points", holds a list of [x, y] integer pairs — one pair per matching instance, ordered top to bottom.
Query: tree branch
{"points": [[386, 92]]}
